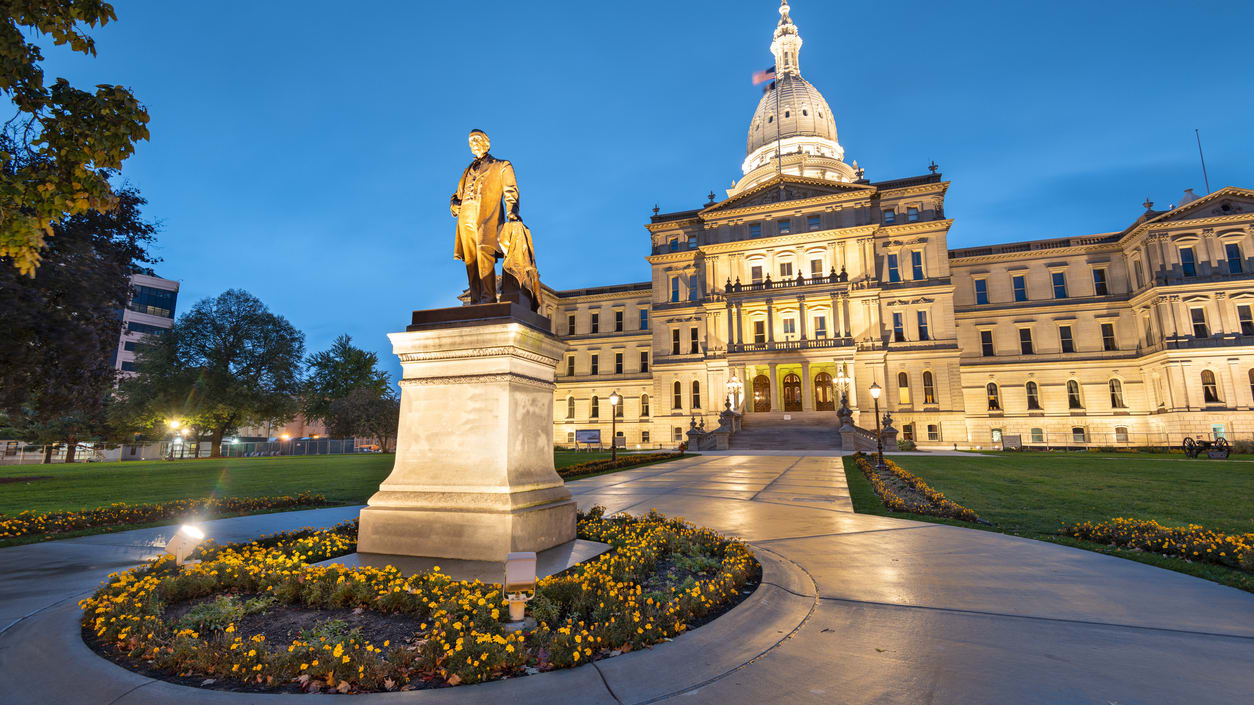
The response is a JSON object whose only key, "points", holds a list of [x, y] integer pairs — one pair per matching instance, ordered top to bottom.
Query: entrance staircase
{"points": [[812, 430]]}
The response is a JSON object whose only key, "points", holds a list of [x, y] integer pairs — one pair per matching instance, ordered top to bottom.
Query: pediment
{"points": [[793, 189], [1224, 202]]}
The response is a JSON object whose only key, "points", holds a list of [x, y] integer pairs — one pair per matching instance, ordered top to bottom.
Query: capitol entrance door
{"points": [[792, 392], [761, 393], [823, 398]]}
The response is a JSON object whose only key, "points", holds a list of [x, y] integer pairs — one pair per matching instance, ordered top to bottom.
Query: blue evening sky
{"points": [[305, 151]]}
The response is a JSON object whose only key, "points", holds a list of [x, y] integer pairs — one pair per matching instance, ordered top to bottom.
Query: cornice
{"points": [[942, 187], [710, 216], [922, 226], [786, 240], [1034, 254], [665, 257], [609, 296]]}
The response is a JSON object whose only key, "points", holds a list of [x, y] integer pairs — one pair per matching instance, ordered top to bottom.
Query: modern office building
{"points": [[151, 310]]}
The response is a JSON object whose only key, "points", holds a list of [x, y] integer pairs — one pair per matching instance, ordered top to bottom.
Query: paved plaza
{"points": [[853, 609]]}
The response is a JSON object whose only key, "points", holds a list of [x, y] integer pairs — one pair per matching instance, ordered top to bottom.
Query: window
{"points": [[912, 213], [890, 216], [812, 222], [785, 227], [755, 230], [692, 242], [674, 245], [1232, 253], [1188, 262], [916, 265], [816, 268], [785, 270], [1138, 271], [755, 273], [893, 274], [1099, 283], [1019, 284], [1060, 285], [694, 288], [674, 289], [981, 291], [152, 301], [921, 317], [1198, 317], [1246, 317], [644, 319], [618, 321], [596, 323], [570, 324], [820, 326], [144, 328], [790, 328], [899, 329], [759, 332], [1108, 337], [1064, 338], [674, 341], [1025, 341], [986, 343], [129, 346], [693, 348], [644, 361], [595, 363], [618, 363], [128, 366], [570, 366], [1251, 376], [903, 388], [929, 388], [1210, 390], [696, 394], [1116, 394], [1073, 395], [677, 396], [1034, 396], [994, 399], [644, 405], [570, 407], [618, 409], [595, 411], [1217, 430], [907, 432], [933, 432], [678, 433], [1121, 434], [996, 435], [1037, 435], [1078, 435], [570, 436], [644, 436]]}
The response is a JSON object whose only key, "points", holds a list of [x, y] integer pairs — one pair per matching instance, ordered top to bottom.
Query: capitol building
{"points": [[807, 280]]}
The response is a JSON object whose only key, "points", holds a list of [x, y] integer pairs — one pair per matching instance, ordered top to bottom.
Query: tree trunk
{"points": [[215, 443], [71, 445], [48, 453]]}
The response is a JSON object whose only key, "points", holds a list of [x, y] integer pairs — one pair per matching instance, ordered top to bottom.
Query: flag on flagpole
{"points": [[761, 77]]}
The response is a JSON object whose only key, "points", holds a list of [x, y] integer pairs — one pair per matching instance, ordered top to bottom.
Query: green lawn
{"points": [[1034, 494]]}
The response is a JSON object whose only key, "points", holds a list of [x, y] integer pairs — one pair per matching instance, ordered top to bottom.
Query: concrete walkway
{"points": [[853, 609]]}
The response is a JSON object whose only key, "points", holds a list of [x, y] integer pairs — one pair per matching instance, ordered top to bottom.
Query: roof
{"points": [[611, 289]]}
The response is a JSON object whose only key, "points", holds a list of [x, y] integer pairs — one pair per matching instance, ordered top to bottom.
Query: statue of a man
{"points": [[477, 205]]}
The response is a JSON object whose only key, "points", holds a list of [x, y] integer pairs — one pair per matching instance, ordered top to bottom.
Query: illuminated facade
{"points": [[807, 274]]}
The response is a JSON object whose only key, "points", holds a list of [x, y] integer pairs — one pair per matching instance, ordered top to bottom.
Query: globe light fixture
{"points": [[734, 388], [615, 400], [184, 541]]}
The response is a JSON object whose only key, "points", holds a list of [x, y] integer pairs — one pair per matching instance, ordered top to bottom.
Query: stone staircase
{"points": [[803, 431]]}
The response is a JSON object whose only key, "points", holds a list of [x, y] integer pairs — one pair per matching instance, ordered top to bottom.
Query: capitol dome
{"points": [[793, 130]]}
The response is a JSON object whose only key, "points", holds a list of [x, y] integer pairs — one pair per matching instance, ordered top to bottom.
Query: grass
{"points": [[1035, 494]]}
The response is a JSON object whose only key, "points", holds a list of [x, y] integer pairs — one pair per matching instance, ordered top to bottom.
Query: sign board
{"points": [[591, 435], [620, 441], [1011, 441]]}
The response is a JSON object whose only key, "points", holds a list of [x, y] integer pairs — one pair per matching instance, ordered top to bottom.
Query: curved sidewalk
{"points": [[853, 609]]}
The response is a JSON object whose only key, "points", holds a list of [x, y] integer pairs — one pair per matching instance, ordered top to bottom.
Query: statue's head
{"points": [[479, 142]]}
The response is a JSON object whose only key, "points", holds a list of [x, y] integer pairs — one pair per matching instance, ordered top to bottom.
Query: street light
{"points": [[843, 379], [735, 387], [615, 400], [174, 429], [879, 437]]}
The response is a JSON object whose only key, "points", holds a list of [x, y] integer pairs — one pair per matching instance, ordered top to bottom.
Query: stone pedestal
{"points": [[474, 476]]}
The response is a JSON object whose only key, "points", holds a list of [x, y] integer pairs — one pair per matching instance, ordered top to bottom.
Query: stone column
{"points": [[801, 300], [1221, 308], [845, 311], [837, 318], [770, 322], [731, 340], [807, 387], [774, 389]]}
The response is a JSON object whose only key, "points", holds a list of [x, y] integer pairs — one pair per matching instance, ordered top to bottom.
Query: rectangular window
{"points": [[912, 213], [890, 216], [812, 222], [785, 227], [755, 230], [692, 242], [674, 245], [1232, 253], [1188, 262], [916, 265], [816, 268], [785, 270], [1139, 272], [755, 274], [893, 274], [1099, 283], [1019, 284], [1060, 284], [694, 288], [674, 289], [981, 291], [153, 301], [1246, 316], [644, 319], [922, 319], [618, 321], [596, 323], [1199, 323], [570, 324], [820, 326], [790, 328], [899, 328], [759, 332], [1108, 337], [1064, 338], [675, 341], [1025, 341], [986, 343], [129, 346], [693, 348], [644, 361], [618, 363], [128, 366], [570, 366], [595, 368], [644, 408], [594, 409], [907, 432], [933, 432], [678, 433], [570, 436], [644, 436]]}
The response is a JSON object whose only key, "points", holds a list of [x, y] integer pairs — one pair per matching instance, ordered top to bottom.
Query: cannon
{"points": [[1218, 449]]}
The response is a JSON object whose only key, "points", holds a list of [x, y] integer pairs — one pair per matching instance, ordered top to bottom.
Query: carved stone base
{"points": [[474, 476]]}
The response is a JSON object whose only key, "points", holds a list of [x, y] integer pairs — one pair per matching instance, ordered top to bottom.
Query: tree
{"points": [[61, 142], [225, 363], [332, 374], [362, 412]]}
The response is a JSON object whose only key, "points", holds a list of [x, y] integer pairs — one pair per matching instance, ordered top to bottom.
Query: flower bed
{"points": [[624, 462], [901, 491], [123, 514], [1192, 542], [663, 576]]}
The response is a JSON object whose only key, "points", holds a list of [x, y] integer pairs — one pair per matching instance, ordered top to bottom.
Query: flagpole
{"points": [[1205, 178]]}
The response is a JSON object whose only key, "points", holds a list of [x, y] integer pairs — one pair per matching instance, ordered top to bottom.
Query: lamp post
{"points": [[842, 379], [735, 387], [615, 400], [174, 430], [879, 437]]}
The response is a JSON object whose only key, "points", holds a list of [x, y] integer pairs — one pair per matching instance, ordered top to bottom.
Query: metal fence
{"points": [[296, 446], [13, 453]]}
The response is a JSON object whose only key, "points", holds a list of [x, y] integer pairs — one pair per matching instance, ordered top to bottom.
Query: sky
{"points": [[306, 151]]}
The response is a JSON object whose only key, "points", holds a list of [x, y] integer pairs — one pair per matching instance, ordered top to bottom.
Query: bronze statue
{"points": [[484, 227]]}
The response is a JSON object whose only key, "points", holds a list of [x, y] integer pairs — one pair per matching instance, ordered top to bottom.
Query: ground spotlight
{"points": [[184, 541], [520, 583]]}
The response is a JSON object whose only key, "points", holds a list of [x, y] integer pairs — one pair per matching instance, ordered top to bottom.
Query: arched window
{"points": [[1252, 382], [903, 388], [929, 388], [1210, 390], [761, 393], [696, 394], [1073, 395], [1034, 396], [1116, 396], [823, 398], [677, 400], [994, 400], [644, 404], [570, 407], [620, 408], [595, 413], [1121, 434], [1038, 435], [1078, 435]]}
